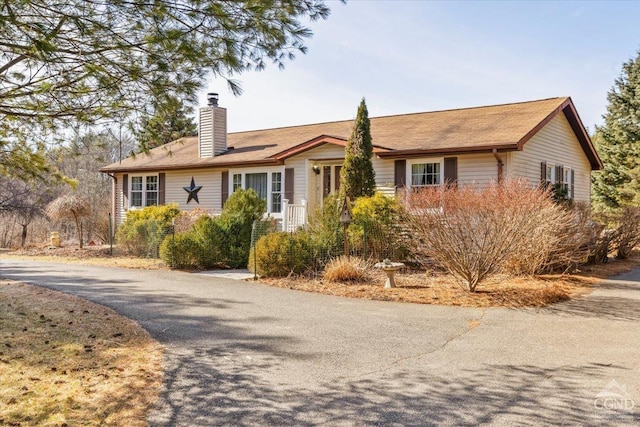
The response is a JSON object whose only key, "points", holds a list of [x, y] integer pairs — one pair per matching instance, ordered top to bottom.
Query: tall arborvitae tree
{"points": [[618, 143], [357, 177]]}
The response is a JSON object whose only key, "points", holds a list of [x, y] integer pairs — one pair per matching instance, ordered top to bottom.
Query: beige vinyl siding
{"points": [[219, 130], [205, 132], [554, 143], [326, 151], [477, 169], [385, 175], [299, 178], [210, 195], [120, 212]]}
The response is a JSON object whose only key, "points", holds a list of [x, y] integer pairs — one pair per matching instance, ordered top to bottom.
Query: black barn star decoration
{"points": [[193, 191]]}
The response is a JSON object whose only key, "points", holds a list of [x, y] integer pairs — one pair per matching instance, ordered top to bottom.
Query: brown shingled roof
{"points": [[501, 127]]}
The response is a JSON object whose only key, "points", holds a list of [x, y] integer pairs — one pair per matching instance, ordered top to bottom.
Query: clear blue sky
{"points": [[412, 56]]}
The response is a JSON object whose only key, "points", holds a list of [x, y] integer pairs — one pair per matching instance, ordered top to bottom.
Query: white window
{"points": [[426, 174], [550, 177], [237, 181], [566, 181], [257, 182], [268, 185], [136, 191], [144, 191], [276, 192]]}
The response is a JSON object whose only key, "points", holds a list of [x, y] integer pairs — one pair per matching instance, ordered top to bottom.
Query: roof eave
{"points": [[419, 152], [226, 165]]}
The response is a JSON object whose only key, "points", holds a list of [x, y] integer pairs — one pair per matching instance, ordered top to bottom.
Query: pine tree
{"points": [[76, 62], [168, 121], [618, 143], [357, 177]]}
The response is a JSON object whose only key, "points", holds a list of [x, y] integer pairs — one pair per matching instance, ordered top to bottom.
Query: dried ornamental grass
{"points": [[70, 207], [347, 269]]}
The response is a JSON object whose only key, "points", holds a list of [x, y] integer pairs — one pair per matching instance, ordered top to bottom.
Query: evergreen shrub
{"points": [[236, 220], [143, 229], [375, 230], [181, 251], [280, 254]]}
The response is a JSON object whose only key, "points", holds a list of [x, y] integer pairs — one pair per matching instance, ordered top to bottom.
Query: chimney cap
{"points": [[212, 99]]}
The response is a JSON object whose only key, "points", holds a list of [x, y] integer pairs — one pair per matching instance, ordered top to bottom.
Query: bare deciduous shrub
{"points": [[186, 219], [472, 231], [560, 242], [347, 269]]}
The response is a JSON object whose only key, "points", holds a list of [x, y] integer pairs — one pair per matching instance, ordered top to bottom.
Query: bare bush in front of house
{"points": [[186, 219], [473, 230], [564, 239]]}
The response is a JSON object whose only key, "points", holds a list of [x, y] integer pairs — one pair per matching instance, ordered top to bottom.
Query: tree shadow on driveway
{"points": [[611, 300], [221, 368], [501, 394]]}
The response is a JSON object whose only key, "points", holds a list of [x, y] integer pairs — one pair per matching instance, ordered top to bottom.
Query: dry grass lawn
{"points": [[89, 255], [67, 362]]}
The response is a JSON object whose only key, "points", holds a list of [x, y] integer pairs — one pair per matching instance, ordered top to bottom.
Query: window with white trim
{"points": [[426, 174], [550, 177], [566, 181], [237, 182], [257, 182], [268, 185], [144, 191], [276, 191]]}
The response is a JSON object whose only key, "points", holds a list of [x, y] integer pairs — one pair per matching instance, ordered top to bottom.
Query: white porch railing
{"points": [[293, 216]]}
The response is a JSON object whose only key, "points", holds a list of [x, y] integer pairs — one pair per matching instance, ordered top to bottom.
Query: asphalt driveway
{"points": [[240, 353]]}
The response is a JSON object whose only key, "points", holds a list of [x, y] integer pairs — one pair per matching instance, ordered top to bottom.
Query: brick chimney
{"points": [[212, 128]]}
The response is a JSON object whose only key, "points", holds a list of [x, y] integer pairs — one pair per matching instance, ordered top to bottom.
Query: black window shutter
{"points": [[451, 171], [400, 172], [543, 173], [289, 174], [161, 180], [225, 187], [125, 191]]}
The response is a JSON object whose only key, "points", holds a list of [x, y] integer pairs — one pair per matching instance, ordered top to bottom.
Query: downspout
{"points": [[500, 164], [114, 199]]}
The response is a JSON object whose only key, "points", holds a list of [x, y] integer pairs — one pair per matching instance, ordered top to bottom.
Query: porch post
{"points": [[304, 212], [285, 215]]}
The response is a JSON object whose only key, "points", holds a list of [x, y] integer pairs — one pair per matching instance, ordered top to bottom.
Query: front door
{"points": [[326, 180]]}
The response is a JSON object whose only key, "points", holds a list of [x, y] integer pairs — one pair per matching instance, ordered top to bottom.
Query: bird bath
{"points": [[389, 269]]}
